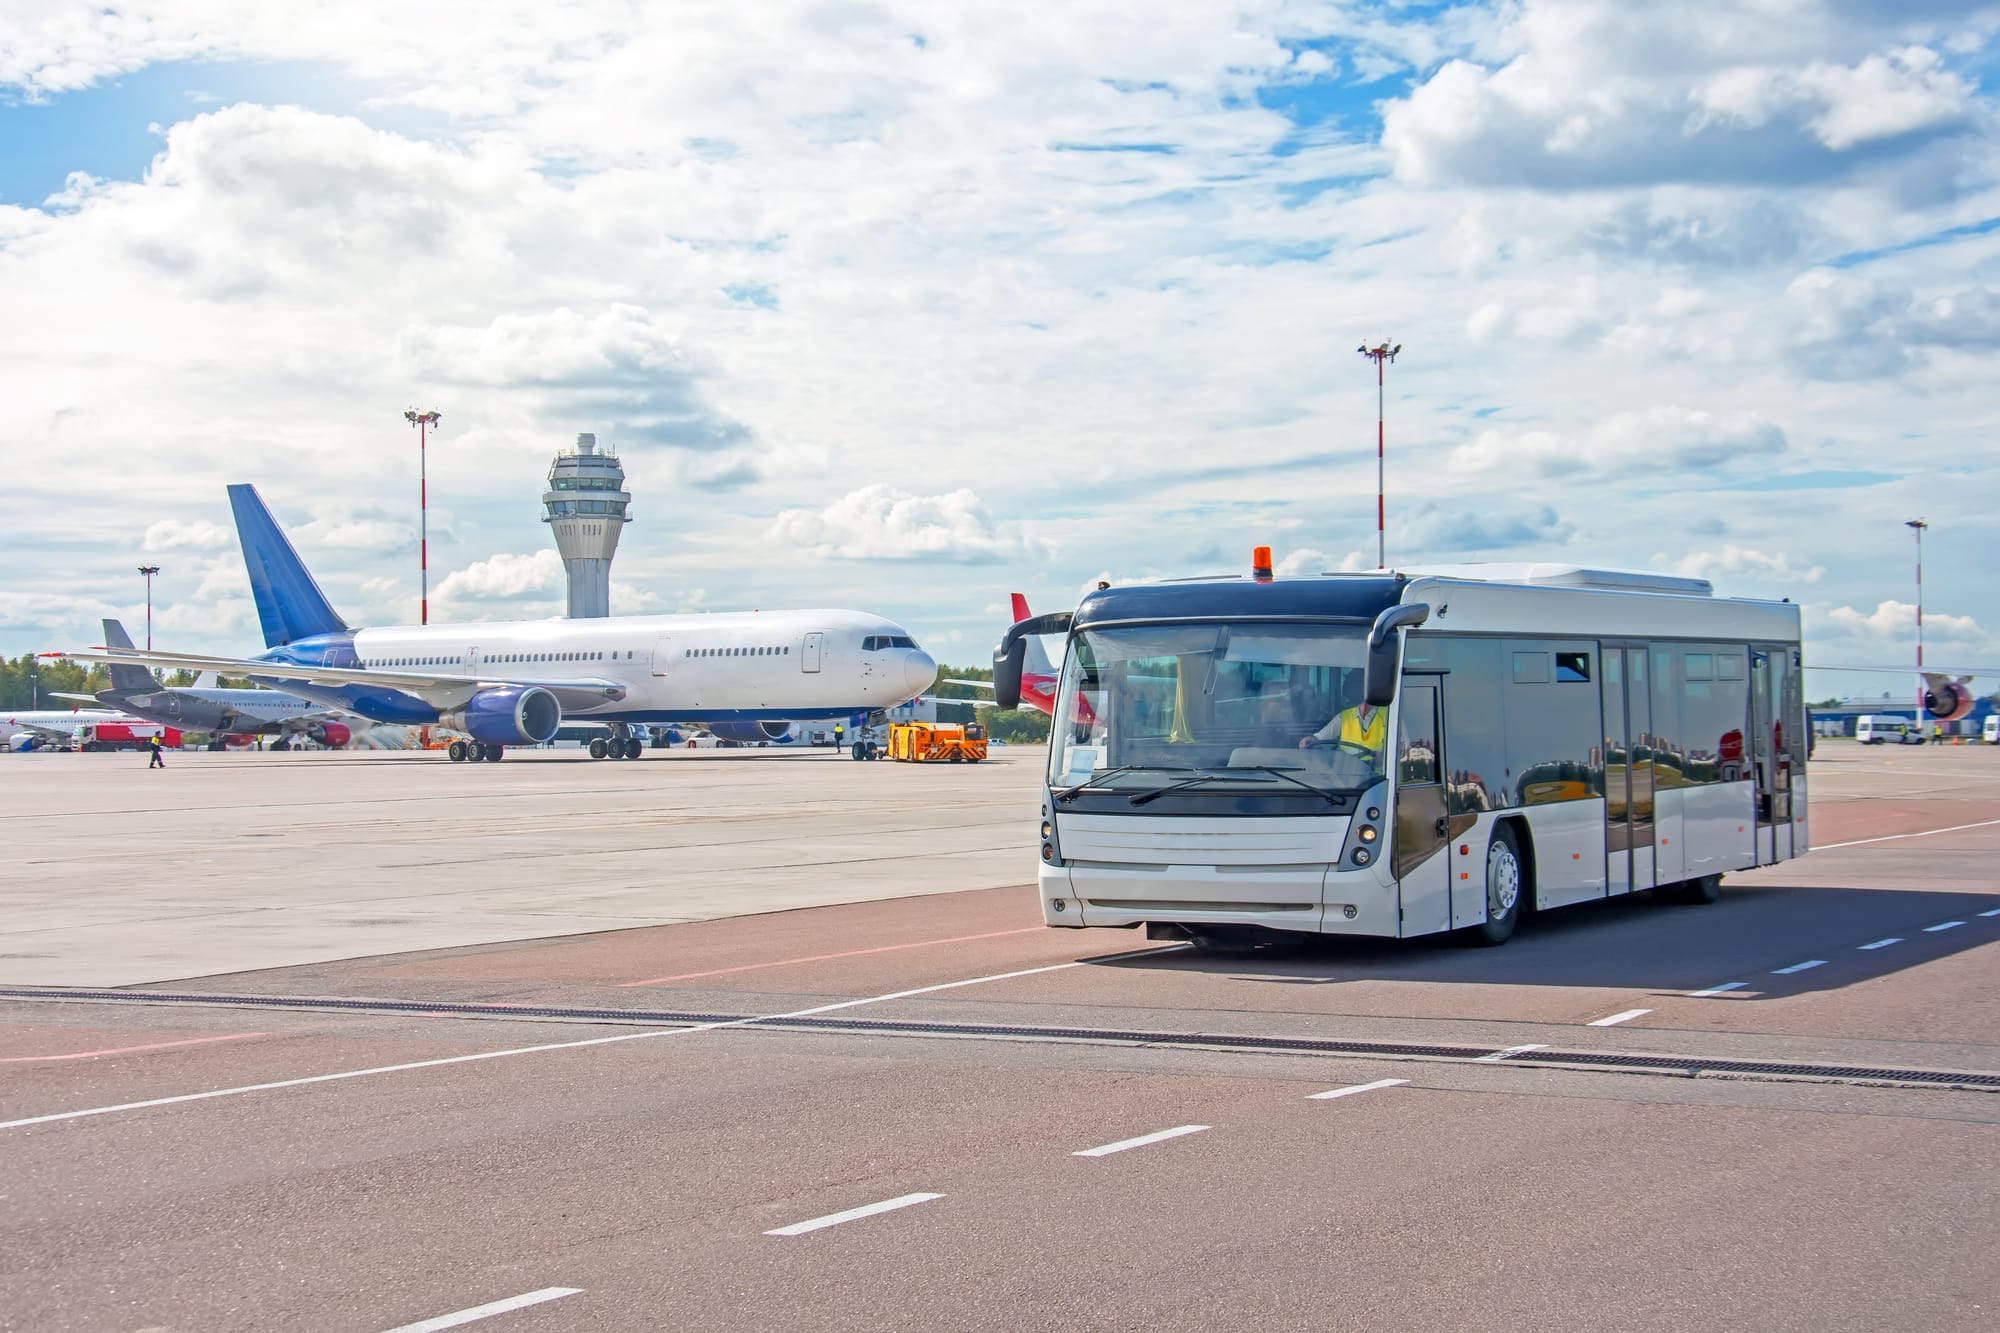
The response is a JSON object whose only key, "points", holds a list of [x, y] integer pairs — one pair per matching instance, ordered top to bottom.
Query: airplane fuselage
{"points": [[726, 667]]}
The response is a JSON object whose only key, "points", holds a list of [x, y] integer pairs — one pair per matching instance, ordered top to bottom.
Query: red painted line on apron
{"points": [[128, 1050]]}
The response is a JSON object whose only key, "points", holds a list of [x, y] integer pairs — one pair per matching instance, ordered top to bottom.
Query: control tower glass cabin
{"points": [[586, 507]]}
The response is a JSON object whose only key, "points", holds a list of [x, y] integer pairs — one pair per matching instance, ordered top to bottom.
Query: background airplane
{"points": [[1038, 674], [515, 682], [218, 712], [92, 727]]}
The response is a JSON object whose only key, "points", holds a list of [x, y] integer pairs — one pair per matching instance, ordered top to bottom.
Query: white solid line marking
{"points": [[1891, 837], [1994, 912], [1942, 925], [1883, 944], [1806, 966], [1717, 990], [1616, 1019], [522, 1050], [1511, 1052], [1331, 1093], [1140, 1142], [865, 1210], [486, 1311]]}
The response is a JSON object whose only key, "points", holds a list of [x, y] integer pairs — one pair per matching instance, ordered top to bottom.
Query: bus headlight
{"points": [[1046, 828], [1368, 833], [1048, 852], [1362, 856]]}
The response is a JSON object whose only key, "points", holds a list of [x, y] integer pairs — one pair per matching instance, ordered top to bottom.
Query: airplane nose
{"points": [[919, 671]]}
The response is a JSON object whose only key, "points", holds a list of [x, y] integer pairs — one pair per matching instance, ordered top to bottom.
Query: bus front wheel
{"points": [[1506, 882]]}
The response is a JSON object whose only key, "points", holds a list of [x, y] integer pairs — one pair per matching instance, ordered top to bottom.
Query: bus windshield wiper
{"points": [[1285, 773], [1069, 793]]}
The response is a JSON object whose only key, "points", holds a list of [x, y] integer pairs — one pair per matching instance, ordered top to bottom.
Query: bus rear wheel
{"points": [[1506, 883], [1695, 892]]}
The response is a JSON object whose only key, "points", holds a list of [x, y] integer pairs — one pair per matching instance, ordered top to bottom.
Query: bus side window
{"points": [[1417, 737]]}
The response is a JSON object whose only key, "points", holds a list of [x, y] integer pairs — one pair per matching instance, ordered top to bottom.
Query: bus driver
{"points": [[1361, 725]]}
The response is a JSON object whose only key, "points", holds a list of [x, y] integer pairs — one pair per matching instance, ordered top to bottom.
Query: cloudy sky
{"points": [[908, 306]]}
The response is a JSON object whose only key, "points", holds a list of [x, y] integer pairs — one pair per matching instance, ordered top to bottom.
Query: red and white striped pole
{"points": [[1380, 353], [423, 421], [1917, 526]]}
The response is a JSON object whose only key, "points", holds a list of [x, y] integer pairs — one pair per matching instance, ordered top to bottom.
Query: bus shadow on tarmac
{"points": [[1775, 942]]}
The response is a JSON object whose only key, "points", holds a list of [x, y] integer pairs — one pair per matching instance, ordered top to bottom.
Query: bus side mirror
{"points": [[1012, 652], [1378, 686]]}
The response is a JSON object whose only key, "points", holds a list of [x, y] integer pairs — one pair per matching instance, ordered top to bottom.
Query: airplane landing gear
{"points": [[598, 748], [457, 751]]}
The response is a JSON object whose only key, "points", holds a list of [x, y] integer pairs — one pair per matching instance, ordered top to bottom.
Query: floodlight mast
{"points": [[1379, 353], [423, 421], [1917, 526], [149, 571]]}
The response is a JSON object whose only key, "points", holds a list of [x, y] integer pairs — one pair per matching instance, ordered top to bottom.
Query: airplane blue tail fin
{"points": [[289, 603], [125, 676]]}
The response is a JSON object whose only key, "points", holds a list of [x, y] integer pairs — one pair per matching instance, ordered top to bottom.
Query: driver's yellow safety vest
{"points": [[1370, 736]]}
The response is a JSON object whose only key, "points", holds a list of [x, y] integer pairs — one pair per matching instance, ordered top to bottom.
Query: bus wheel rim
{"points": [[1503, 879]]}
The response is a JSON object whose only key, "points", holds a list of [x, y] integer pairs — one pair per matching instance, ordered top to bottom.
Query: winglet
{"points": [[289, 603], [125, 677]]}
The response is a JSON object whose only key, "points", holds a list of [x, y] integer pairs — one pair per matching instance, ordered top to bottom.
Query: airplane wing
{"points": [[976, 684], [441, 691], [80, 698], [940, 699], [47, 731]]}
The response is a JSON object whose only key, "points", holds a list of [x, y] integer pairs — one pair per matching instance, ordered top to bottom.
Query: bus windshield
{"points": [[1140, 704]]}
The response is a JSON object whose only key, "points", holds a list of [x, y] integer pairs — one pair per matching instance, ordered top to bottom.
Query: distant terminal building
{"points": [[586, 506], [1838, 719]]}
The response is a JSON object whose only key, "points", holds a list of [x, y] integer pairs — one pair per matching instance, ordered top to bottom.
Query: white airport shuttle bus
{"points": [[1401, 754]]}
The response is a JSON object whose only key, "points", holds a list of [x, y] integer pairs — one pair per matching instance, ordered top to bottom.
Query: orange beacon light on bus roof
{"points": [[1260, 564]]}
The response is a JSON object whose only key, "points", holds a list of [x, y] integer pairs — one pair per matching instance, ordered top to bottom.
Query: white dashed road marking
{"points": [[1891, 837], [1994, 912], [1942, 925], [1883, 944], [1806, 966], [1717, 990], [1616, 1019], [1511, 1052], [1331, 1093], [1140, 1142], [852, 1214], [487, 1311]]}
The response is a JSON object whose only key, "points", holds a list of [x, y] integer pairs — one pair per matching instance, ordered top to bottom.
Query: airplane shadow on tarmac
{"points": [[1638, 942]]}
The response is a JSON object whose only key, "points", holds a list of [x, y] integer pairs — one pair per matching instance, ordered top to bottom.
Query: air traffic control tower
{"points": [[585, 506]]}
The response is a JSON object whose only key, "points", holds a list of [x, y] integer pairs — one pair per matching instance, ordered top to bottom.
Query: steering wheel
{"points": [[1356, 747]]}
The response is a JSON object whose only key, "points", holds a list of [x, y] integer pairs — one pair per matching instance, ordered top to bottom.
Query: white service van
{"points": [[1871, 730], [1990, 734]]}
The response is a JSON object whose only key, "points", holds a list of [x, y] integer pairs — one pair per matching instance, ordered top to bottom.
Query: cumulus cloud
{"points": [[1592, 95], [1848, 326], [1656, 440], [881, 522], [1428, 528], [173, 534], [1304, 562], [1743, 562], [503, 577], [1894, 620]]}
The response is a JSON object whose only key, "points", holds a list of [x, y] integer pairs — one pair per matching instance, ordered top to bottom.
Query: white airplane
{"points": [[515, 682], [32, 728]]}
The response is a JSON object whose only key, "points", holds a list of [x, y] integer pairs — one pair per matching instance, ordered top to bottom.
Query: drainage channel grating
{"points": [[1686, 1066]]}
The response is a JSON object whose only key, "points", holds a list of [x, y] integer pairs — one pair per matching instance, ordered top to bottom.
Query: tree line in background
{"points": [[30, 682], [1022, 726]]}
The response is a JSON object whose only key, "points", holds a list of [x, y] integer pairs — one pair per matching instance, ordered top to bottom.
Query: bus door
{"points": [[1770, 761], [1628, 769], [1420, 857]]}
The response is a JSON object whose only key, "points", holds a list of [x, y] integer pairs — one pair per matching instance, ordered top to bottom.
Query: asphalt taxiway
{"points": [[903, 1103]]}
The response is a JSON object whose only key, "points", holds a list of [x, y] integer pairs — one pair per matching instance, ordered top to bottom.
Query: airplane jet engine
{"points": [[1945, 699], [509, 715], [749, 733], [333, 735]]}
